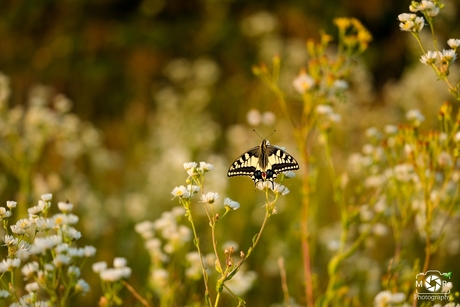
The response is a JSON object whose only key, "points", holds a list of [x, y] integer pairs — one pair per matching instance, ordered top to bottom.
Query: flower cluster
{"points": [[427, 7], [411, 22], [446, 57], [440, 61], [326, 116], [255, 118], [42, 144], [412, 177], [167, 242], [41, 248], [119, 271], [112, 279], [388, 299]]}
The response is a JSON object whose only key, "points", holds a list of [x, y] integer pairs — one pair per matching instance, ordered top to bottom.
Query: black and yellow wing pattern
{"points": [[263, 163]]}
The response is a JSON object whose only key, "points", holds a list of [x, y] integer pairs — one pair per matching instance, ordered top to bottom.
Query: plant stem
{"points": [[304, 223], [197, 244], [284, 282], [136, 295]]}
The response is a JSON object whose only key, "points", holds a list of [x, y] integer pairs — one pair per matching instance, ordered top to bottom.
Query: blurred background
{"points": [[156, 83]]}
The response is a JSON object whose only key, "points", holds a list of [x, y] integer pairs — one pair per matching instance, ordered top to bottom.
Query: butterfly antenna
{"points": [[262, 137]]}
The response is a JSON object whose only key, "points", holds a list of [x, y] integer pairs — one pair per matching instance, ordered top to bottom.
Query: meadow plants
{"points": [[408, 178], [389, 208], [165, 240], [41, 256]]}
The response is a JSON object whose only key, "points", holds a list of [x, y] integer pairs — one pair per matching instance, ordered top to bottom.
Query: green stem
{"points": [[197, 244], [254, 244]]}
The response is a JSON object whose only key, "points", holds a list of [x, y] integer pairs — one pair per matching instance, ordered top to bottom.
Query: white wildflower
{"points": [[426, 6], [411, 22], [259, 23], [453, 43], [448, 55], [430, 57], [303, 82], [340, 84], [324, 109], [415, 116], [253, 117], [335, 117], [268, 118], [390, 129], [372, 133], [457, 137], [445, 159], [190, 165], [206, 167], [403, 172], [289, 174], [374, 181], [192, 189], [280, 189], [180, 191], [47, 197], [209, 197], [11, 204], [231, 204], [65, 206], [35, 210], [179, 211], [4, 213], [65, 219], [45, 224], [21, 226], [145, 229], [380, 229], [72, 234], [10, 240], [40, 245], [62, 248], [89, 251], [75, 252], [61, 260], [119, 262], [9, 264], [100, 266], [29, 269], [194, 271], [73, 272], [115, 274], [160, 277], [242, 282], [82, 286], [32, 287], [4, 293], [398, 298], [382, 299]]}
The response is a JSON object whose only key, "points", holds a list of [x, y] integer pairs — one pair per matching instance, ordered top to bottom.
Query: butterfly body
{"points": [[263, 163]]}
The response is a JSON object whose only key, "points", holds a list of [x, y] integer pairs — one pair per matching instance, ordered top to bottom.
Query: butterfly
{"points": [[263, 163]]}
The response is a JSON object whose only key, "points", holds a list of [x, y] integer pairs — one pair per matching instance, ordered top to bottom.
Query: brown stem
{"points": [[304, 223], [284, 285], [136, 295]]}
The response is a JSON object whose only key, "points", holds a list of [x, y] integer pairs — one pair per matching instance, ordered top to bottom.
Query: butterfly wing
{"points": [[280, 161], [246, 164]]}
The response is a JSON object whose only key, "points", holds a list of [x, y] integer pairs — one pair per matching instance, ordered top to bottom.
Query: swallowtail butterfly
{"points": [[263, 163]]}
